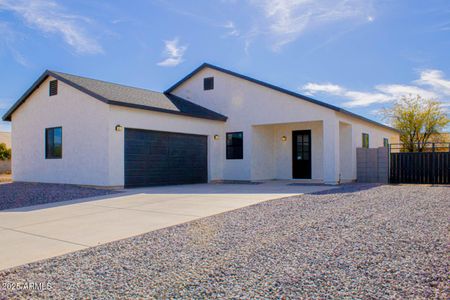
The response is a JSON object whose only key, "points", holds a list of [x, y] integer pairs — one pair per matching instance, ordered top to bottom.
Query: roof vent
{"points": [[208, 83], [53, 88]]}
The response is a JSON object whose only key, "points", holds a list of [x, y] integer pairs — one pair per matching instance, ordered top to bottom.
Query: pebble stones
{"points": [[21, 194], [360, 241]]}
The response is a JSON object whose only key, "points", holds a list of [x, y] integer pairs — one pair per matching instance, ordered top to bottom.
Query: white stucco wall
{"points": [[248, 104], [144, 119], [84, 122], [376, 133], [376, 136], [284, 149], [345, 152], [263, 153]]}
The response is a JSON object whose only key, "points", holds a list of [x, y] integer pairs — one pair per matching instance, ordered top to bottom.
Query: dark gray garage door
{"points": [[161, 158]]}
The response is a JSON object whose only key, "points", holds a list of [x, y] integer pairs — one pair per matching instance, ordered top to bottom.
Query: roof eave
{"points": [[47, 73], [188, 76], [36, 84], [276, 88], [162, 110], [346, 112]]}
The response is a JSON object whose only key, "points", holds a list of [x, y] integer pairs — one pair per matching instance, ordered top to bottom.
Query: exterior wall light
{"points": [[119, 128], [216, 137], [283, 138]]}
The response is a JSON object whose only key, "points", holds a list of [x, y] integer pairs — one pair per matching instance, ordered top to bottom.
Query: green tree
{"points": [[417, 119], [5, 153]]}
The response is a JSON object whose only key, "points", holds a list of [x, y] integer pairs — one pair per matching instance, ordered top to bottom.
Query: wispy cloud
{"points": [[50, 17], [286, 20], [232, 29], [9, 42], [174, 53], [435, 79], [440, 87], [312, 88]]}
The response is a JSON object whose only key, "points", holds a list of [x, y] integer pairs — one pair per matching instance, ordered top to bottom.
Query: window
{"points": [[208, 83], [53, 88], [365, 140], [386, 142], [53, 143], [302, 147], [235, 149]]}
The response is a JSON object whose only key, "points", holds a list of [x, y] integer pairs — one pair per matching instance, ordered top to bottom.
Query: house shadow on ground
{"points": [[348, 188]]}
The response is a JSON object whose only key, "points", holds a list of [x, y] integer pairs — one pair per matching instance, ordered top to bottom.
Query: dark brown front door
{"points": [[301, 154]]}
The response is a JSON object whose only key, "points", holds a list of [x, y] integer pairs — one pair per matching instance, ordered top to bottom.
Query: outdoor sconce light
{"points": [[119, 128], [216, 137], [283, 138]]}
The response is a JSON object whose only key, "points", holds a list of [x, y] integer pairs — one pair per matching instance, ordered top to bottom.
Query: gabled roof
{"points": [[273, 87], [121, 95]]}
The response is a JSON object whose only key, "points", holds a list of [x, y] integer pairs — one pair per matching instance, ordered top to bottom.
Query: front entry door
{"points": [[301, 154]]}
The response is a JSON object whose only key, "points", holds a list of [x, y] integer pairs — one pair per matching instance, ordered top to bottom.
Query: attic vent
{"points": [[208, 83], [53, 88]]}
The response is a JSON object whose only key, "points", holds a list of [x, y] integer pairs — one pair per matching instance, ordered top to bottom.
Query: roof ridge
{"points": [[104, 81], [77, 82], [276, 88]]}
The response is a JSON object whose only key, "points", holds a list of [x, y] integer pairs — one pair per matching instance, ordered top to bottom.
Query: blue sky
{"points": [[357, 54]]}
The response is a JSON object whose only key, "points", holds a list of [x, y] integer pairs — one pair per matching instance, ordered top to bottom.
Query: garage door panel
{"points": [[133, 147], [147, 158], [159, 158], [182, 165], [149, 167]]}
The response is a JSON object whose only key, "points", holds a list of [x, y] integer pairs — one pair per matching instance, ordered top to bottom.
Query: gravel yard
{"points": [[20, 194], [362, 241]]}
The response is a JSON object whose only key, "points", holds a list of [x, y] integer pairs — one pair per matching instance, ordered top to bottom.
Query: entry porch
{"points": [[321, 150]]}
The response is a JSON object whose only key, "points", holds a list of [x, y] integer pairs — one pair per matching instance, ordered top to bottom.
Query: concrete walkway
{"points": [[38, 232]]}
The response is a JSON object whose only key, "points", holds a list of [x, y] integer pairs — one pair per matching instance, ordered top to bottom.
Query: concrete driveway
{"points": [[38, 232]]}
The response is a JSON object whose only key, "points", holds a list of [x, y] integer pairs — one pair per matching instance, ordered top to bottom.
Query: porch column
{"points": [[331, 147]]}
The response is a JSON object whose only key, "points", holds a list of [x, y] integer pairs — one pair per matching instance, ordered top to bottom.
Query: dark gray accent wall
{"points": [[372, 165]]}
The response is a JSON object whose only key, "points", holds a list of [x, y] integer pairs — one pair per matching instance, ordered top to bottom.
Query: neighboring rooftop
{"points": [[122, 95], [5, 137]]}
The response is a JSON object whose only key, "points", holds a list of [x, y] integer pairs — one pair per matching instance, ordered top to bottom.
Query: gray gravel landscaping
{"points": [[21, 194], [362, 241]]}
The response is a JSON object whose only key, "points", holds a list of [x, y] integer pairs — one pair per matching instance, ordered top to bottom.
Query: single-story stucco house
{"points": [[212, 125]]}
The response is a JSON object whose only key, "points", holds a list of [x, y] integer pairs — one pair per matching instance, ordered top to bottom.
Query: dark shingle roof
{"points": [[276, 88], [121, 95]]}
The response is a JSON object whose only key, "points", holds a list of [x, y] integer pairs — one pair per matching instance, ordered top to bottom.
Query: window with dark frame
{"points": [[208, 83], [53, 88], [365, 140], [386, 142], [53, 143], [235, 145]]}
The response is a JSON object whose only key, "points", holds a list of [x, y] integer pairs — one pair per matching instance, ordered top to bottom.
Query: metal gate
{"points": [[428, 163]]}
